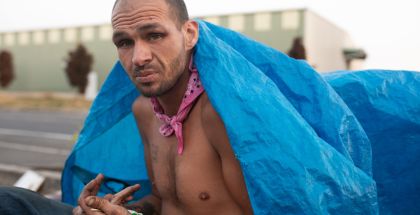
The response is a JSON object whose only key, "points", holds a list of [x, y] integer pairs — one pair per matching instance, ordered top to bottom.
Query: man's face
{"points": [[152, 46]]}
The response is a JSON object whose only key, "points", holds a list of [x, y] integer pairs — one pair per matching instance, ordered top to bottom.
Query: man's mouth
{"points": [[145, 76]]}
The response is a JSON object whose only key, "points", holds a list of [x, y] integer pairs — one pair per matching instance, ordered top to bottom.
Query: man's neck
{"points": [[171, 100]]}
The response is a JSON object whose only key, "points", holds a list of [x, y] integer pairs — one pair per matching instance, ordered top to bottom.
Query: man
{"points": [[292, 162], [193, 170]]}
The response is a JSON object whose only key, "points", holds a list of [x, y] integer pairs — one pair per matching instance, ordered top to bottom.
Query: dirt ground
{"points": [[43, 101]]}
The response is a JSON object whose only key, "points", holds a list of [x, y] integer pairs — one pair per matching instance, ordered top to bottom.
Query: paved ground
{"points": [[37, 139]]}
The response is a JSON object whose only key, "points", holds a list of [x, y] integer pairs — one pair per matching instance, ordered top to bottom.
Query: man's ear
{"points": [[191, 34]]}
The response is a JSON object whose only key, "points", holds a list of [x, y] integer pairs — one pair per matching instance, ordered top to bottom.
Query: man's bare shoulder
{"points": [[142, 109], [209, 115], [212, 124]]}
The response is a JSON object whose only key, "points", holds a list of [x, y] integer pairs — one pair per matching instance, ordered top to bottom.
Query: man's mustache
{"points": [[139, 69]]}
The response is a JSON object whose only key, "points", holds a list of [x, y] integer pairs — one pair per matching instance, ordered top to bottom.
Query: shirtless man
{"points": [[192, 173]]}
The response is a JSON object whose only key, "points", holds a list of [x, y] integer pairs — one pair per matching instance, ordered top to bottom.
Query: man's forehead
{"points": [[130, 5], [126, 10], [129, 12], [134, 13]]}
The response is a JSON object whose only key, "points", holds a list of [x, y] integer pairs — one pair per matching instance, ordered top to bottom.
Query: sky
{"points": [[388, 30]]}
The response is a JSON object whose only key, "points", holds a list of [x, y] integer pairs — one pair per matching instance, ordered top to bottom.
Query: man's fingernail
{"points": [[90, 201]]}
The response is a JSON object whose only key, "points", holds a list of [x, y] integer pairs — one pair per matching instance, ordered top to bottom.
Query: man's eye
{"points": [[155, 36], [124, 44]]}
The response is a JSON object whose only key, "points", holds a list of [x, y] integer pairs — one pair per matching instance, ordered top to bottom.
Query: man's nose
{"points": [[142, 54]]}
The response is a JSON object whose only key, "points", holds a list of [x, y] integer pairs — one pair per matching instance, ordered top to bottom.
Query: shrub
{"points": [[298, 50], [79, 64], [6, 69]]}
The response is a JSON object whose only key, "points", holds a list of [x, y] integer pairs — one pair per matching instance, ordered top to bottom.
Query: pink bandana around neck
{"points": [[174, 124]]}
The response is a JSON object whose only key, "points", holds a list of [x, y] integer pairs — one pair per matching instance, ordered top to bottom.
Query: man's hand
{"points": [[91, 190], [103, 206]]}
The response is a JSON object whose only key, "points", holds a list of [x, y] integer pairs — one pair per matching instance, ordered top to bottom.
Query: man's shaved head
{"points": [[180, 11]]}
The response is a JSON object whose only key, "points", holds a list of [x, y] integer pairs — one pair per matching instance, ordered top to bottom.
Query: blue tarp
{"points": [[387, 104], [301, 148]]}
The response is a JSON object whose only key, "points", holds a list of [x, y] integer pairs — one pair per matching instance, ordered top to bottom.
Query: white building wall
{"points": [[324, 43]]}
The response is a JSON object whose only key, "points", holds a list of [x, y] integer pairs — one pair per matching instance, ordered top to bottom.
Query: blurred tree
{"points": [[297, 51], [79, 64], [6, 69]]}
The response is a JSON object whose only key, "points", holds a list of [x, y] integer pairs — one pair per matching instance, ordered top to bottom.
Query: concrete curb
{"points": [[9, 174]]}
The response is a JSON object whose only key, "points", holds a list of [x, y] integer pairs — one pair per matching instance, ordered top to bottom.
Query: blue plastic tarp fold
{"points": [[387, 104], [301, 148]]}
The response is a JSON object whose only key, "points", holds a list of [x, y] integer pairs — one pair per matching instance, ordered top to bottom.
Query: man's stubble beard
{"points": [[167, 85]]}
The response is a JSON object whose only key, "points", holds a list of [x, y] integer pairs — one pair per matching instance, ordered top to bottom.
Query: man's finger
{"points": [[91, 188], [121, 196], [109, 197], [129, 198], [104, 205]]}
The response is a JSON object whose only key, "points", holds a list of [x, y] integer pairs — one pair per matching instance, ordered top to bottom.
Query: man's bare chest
{"points": [[192, 177]]}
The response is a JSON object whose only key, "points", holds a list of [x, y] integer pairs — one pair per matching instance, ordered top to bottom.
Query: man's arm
{"points": [[143, 114], [231, 169], [151, 204]]}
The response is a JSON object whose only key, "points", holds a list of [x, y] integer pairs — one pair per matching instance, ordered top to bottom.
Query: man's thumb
{"points": [[95, 202]]}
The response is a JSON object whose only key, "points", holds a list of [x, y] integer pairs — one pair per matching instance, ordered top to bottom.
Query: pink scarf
{"points": [[174, 124]]}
